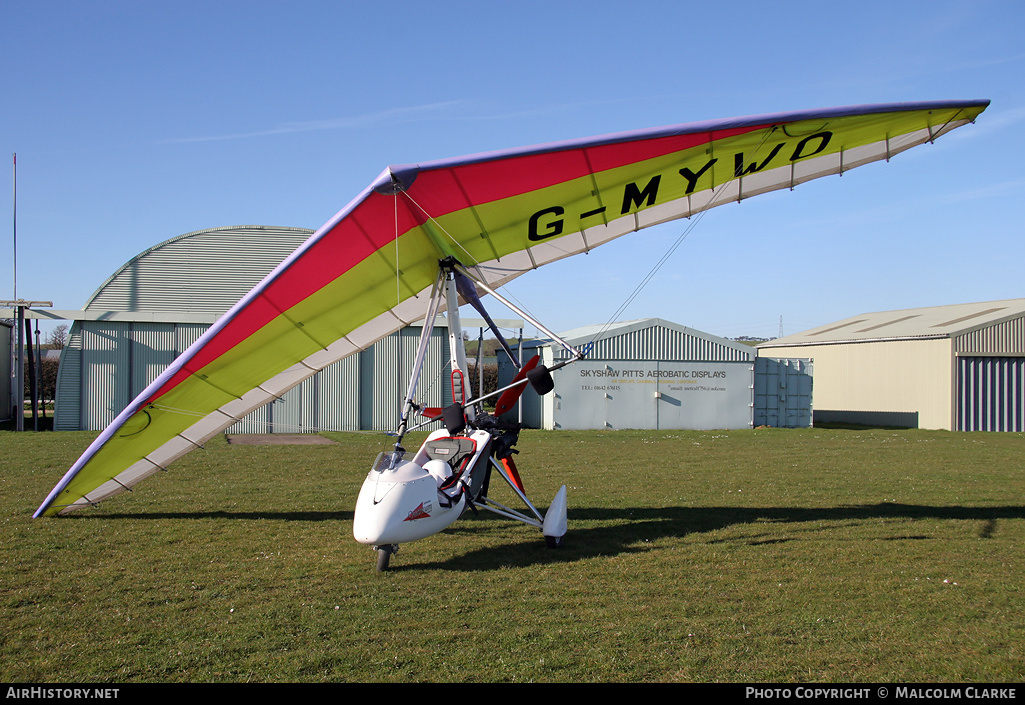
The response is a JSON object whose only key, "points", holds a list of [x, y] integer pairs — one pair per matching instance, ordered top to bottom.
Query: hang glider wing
{"points": [[369, 271]]}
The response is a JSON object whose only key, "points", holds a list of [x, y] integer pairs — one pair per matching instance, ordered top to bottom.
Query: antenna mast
{"points": [[14, 159]]}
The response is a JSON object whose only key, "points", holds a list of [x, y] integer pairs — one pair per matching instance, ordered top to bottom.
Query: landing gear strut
{"points": [[384, 555]]}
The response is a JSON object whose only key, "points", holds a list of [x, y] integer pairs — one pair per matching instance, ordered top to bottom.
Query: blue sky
{"points": [[135, 122]]}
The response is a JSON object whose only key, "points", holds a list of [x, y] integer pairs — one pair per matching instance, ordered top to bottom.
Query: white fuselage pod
{"points": [[403, 501], [402, 504]]}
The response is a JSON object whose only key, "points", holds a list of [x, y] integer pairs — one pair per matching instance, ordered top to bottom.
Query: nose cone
{"points": [[401, 505]]}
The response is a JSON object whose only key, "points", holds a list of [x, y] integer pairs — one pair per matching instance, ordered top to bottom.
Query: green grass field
{"points": [[818, 555]]}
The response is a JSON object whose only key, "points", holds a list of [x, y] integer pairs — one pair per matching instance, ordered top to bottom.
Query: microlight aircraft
{"points": [[376, 266], [403, 500]]}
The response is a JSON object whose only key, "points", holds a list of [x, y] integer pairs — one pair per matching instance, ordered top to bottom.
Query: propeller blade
{"points": [[509, 396]]}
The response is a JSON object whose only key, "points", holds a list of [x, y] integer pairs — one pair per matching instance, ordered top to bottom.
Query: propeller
{"points": [[508, 399]]}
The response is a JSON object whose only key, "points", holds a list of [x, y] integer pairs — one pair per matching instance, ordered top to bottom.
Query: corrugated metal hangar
{"points": [[161, 301], [959, 367], [639, 374], [654, 374], [6, 378]]}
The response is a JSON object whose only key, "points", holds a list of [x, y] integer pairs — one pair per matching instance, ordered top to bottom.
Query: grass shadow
{"points": [[621, 530], [633, 530]]}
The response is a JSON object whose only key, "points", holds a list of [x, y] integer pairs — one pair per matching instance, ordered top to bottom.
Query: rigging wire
{"points": [[693, 222], [472, 261], [648, 277], [398, 285]]}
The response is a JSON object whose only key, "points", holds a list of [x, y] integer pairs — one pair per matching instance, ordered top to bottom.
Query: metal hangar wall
{"points": [[157, 304], [654, 374]]}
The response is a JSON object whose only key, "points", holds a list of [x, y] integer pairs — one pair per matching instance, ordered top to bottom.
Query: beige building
{"points": [[959, 367]]}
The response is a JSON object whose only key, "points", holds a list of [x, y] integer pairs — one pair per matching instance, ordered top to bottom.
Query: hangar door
{"points": [[783, 392], [990, 393]]}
